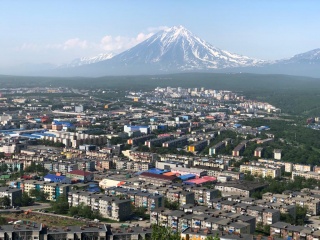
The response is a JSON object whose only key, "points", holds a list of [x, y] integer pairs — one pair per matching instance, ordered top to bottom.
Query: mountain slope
{"points": [[173, 50], [88, 60]]}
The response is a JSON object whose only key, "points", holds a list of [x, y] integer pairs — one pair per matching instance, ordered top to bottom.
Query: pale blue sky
{"points": [[60, 30]]}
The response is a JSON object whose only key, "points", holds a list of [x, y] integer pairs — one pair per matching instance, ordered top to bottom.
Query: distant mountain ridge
{"points": [[177, 50]]}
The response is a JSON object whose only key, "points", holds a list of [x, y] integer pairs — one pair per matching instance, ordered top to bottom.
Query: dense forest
{"points": [[299, 143]]}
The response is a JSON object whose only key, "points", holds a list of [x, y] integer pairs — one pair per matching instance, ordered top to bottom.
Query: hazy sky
{"points": [[59, 31]]}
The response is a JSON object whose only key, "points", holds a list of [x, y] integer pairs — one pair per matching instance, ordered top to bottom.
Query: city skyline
{"points": [[58, 32]]}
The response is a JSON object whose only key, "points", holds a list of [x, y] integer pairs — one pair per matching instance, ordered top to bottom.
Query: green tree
{"points": [[3, 167], [38, 194], [25, 200], [5, 201], [61, 205], [171, 205], [73, 211], [84, 211], [139, 211], [301, 213], [285, 217], [3, 221], [164, 233], [216, 237]]}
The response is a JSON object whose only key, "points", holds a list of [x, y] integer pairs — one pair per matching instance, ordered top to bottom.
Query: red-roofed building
{"points": [[80, 175], [158, 179], [205, 179]]}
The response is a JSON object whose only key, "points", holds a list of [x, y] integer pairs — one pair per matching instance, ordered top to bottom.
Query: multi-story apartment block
{"points": [[140, 140], [158, 141], [179, 142], [198, 146], [215, 149], [236, 152], [258, 152], [277, 154], [142, 156], [13, 164], [104, 165], [142, 166], [291, 167], [261, 171], [217, 172], [307, 175], [241, 188], [54, 190], [12, 193], [203, 195], [182, 197], [138, 198], [310, 201], [109, 207], [282, 207], [266, 216], [89, 231]]}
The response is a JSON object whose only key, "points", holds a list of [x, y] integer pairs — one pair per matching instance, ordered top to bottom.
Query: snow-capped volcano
{"points": [[177, 48], [172, 50]]}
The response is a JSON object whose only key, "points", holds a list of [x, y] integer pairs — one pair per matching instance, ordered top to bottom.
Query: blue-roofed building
{"points": [[237, 125], [263, 128], [155, 171], [187, 177], [56, 179], [93, 187]]}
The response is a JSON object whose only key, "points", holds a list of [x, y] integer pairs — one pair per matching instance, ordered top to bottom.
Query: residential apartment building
{"points": [[140, 140], [158, 141], [179, 142], [198, 146], [237, 151], [261, 171], [306, 175], [241, 188], [54, 190], [12, 193], [180, 196], [150, 201], [108, 206]]}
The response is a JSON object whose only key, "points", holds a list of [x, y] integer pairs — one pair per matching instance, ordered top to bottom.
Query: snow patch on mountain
{"points": [[88, 60]]}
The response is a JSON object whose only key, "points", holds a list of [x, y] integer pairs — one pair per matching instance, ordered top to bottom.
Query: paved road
{"points": [[37, 206]]}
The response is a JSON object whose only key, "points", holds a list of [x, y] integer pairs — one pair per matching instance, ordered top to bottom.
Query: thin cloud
{"points": [[156, 29], [75, 43], [107, 43], [122, 43]]}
